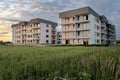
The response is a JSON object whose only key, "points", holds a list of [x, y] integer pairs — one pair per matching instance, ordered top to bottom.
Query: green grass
{"points": [[59, 63]]}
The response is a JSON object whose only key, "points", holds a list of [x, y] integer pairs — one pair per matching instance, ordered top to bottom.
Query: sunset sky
{"points": [[13, 11]]}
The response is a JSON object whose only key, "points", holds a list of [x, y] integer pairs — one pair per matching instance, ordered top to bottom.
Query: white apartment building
{"points": [[84, 27], [34, 32]]}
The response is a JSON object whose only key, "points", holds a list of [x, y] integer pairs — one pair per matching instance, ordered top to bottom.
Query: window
{"points": [[77, 17], [86, 17], [73, 18], [67, 20], [97, 20], [47, 25], [78, 25], [82, 25], [97, 27], [54, 28], [47, 30], [30, 31], [53, 32], [78, 33], [98, 34], [29, 36], [47, 36], [53, 37], [47, 41], [98, 41], [53, 42]]}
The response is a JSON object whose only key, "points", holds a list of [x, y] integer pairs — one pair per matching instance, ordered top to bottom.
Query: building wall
{"points": [[95, 30], [43, 34], [47, 37]]}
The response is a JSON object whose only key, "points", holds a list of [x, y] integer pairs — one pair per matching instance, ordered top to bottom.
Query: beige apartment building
{"points": [[85, 27], [34, 32]]}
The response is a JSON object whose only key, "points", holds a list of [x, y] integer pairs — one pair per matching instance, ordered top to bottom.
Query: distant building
{"points": [[85, 27], [108, 31], [34, 32], [59, 38], [1, 42]]}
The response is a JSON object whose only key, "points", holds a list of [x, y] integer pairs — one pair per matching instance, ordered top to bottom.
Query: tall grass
{"points": [[59, 63]]}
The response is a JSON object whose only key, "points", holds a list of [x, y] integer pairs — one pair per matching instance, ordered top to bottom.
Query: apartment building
{"points": [[84, 27], [108, 31], [34, 32]]}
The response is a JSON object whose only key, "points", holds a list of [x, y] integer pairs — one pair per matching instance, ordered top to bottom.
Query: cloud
{"points": [[109, 8], [18, 10]]}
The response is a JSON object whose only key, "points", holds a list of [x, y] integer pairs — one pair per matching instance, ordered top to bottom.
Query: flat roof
{"points": [[80, 11], [33, 21]]}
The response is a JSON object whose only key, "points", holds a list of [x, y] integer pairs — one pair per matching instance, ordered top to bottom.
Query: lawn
{"points": [[59, 63]]}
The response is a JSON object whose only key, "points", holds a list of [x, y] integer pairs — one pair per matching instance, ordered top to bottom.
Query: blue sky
{"points": [[12, 11]]}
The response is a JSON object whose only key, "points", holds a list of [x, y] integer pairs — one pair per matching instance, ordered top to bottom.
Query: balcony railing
{"points": [[82, 21], [66, 23], [82, 29]]}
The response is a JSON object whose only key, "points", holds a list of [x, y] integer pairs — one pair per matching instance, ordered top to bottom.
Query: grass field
{"points": [[59, 63]]}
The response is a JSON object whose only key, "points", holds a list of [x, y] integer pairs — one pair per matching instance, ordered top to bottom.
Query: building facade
{"points": [[85, 27], [34, 32]]}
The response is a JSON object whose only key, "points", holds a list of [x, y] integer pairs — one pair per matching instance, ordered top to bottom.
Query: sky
{"points": [[13, 11]]}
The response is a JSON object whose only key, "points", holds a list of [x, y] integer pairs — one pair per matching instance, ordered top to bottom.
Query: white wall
{"points": [[93, 22], [42, 33]]}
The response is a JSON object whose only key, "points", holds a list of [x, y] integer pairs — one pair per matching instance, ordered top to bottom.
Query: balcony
{"points": [[82, 21], [68, 23], [103, 25], [36, 27], [82, 29], [68, 30], [103, 31], [36, 32], [82, 36], [24, 38], [36, 38], [103, 38]]}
